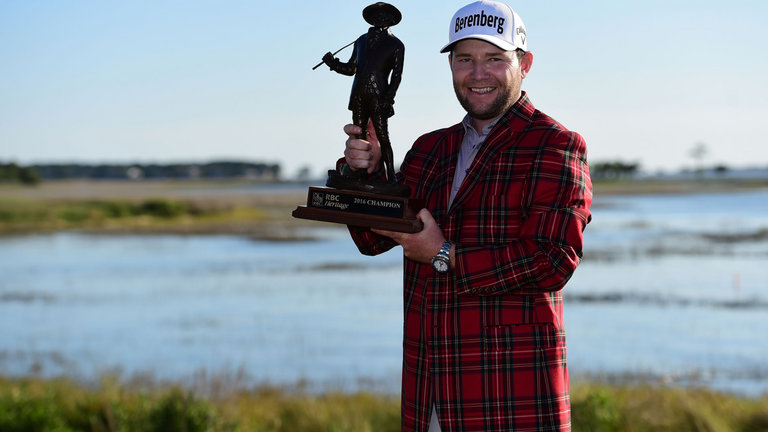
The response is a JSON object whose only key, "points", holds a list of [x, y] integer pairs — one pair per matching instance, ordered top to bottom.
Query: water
{"points": [[675, 286], [660, 293]]}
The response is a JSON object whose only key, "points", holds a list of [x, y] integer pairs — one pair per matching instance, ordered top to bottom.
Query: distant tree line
{"points": [[212, 170], [613, 170], [12, 173]]}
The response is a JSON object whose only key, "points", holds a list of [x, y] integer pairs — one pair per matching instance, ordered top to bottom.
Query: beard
{"points": [[502, 102]]}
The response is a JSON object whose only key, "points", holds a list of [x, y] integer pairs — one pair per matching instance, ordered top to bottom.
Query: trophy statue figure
{"points": [[377, 66], [354, 197]]}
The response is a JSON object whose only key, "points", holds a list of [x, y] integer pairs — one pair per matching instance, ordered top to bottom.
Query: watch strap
{"points": [[445, 249]]}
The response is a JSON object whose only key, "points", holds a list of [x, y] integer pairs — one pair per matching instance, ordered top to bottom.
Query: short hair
{"points": [[520, 54]]}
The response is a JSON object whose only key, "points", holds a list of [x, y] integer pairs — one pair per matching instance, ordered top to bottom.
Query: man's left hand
{"points": [[423, 245]]}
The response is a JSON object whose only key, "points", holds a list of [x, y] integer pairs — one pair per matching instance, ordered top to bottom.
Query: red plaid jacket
{"points": [[485, 343]]}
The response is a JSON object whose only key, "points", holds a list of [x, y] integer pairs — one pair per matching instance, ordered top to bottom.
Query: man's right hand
{"points": [[360, 153]]}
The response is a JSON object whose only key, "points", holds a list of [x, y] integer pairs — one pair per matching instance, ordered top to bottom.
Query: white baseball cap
{"points": [[490, 21]]}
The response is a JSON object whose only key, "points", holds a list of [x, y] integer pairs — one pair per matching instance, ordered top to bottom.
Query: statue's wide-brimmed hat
{"points": [[382, 15]]}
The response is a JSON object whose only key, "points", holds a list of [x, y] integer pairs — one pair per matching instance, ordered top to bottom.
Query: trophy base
{"points": [[337, 180], [361, 209]]}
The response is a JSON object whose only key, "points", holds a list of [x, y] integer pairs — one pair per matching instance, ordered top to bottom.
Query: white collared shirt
{"points": [[469, 148]]}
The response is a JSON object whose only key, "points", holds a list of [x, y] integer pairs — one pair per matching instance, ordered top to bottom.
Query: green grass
{"points": [[19, 215], [62, 405], [648, 408]]}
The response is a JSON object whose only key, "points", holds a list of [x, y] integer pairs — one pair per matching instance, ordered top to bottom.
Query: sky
{"points": [[198, 81]]}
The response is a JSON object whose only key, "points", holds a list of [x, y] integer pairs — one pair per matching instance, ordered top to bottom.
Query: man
{"points": [[377, 55], [507, 195]]}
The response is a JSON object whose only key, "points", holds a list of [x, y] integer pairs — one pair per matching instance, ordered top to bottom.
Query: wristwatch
{"points": [[442, 261]]}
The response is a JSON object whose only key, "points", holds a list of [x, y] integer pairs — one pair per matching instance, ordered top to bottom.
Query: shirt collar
{"points": [[467, 123]]}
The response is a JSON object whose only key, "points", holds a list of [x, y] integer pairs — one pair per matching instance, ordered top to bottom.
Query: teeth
{"points": [[482, 89]]}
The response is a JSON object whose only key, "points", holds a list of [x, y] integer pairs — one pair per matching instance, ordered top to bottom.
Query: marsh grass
{"points": [[152, 207], [19, 215], [62, 405], [646, 408]]}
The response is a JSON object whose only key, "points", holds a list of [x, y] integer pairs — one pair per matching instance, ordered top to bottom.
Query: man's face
{"points": [[486, 78]]}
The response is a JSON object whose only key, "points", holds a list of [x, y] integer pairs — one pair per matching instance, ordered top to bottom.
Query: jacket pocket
{"points": [[519, 337]]}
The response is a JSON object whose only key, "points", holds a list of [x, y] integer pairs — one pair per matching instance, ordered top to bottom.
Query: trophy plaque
{"points": [[353, 197], [361, 209]]}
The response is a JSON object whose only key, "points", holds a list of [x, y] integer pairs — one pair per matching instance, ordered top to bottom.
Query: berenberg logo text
{"points": [[481, 20]]}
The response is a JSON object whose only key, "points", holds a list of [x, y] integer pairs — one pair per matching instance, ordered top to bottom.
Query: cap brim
{"points": [[506, 46]]}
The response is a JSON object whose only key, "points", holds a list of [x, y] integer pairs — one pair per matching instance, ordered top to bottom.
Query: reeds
{"points": [[18, 216], [62, 405], [649, 408]]}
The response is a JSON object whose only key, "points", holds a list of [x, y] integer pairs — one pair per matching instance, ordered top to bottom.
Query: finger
{"points": [[352, 130], [371, 131], [357, 144], [357, 154], [358, 159], [425, 217]]}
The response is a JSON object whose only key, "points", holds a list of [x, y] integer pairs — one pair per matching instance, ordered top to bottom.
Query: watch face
{"points": [[440, 266]]}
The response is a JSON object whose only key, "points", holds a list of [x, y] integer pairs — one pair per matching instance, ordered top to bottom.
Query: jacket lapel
{"points": [[503, 135], [446, 164]]}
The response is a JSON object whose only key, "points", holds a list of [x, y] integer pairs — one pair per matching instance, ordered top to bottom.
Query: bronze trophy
{"points": [[356, 198]]}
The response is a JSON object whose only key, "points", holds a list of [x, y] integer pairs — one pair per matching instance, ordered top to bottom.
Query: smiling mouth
{"points": [[481, 90]]}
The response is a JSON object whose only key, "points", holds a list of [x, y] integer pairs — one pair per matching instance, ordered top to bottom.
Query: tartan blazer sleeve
{"points": [[554, 210]]}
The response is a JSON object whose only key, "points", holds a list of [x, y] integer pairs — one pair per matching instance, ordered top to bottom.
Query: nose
{"points": [[479, 69]]}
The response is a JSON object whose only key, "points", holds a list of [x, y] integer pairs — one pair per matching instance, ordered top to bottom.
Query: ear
{"points": [[450, 60], [525, 64]]}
